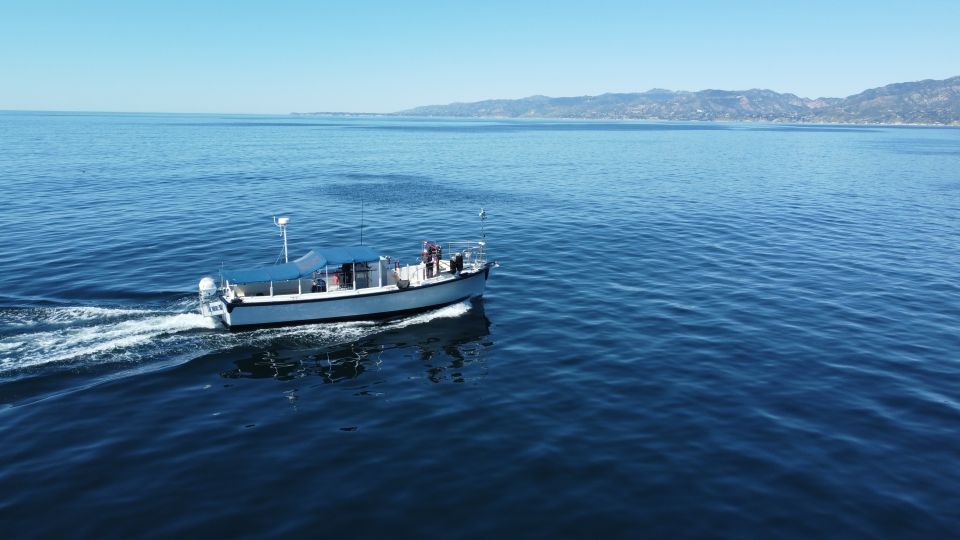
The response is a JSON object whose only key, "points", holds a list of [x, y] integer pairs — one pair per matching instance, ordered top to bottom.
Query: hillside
{"points": [[922, 102]]}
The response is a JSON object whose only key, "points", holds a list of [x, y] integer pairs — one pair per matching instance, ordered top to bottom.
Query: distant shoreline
{"points": [[926, 102], [954, 124]]}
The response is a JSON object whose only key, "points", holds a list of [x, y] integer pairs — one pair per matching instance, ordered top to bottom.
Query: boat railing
{"points": [[474, 252], [474, 257]]}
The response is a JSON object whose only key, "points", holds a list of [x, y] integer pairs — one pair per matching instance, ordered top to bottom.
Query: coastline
{"points": [[784, 121], [954, 124]]}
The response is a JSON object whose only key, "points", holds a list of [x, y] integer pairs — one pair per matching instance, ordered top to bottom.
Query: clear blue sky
{"points": [[380, 56]]}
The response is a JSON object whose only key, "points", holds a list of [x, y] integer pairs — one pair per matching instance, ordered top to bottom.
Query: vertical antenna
{"points": [[483, 217], [361, 220], [282, 223]]}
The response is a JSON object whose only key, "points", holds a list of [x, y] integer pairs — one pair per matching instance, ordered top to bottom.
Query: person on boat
{"points": [[427, 257]]}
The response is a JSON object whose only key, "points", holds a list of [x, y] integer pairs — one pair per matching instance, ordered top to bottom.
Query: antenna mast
{"points": [[483, 217], [361, 221], [282, 223]]}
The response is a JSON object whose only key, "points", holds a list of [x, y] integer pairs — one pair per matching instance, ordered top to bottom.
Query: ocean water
{"points": [[697, 330]]}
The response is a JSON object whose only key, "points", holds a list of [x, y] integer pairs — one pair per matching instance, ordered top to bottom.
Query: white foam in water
{"points": [[447, 312], [78, 314], [62, 315], [333, 333], [91, 335], [111, 341], [9, 345]]}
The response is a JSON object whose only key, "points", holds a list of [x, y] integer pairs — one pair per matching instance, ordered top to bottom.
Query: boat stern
{"points": [[211, 305]]}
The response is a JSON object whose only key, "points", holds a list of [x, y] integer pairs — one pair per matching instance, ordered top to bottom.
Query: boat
{"points": [[343, 283]]}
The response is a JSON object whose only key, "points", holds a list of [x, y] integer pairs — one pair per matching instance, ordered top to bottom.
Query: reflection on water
{"points": [[443, 346]]}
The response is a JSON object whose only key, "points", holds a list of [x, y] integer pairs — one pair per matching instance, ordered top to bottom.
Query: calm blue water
{"points": [[698, 330]]}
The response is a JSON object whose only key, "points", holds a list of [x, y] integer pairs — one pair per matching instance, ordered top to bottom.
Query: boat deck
{"points": [[415, 274]]}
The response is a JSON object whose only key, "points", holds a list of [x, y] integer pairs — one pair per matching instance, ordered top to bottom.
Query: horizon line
{"points": [[397, 113]]}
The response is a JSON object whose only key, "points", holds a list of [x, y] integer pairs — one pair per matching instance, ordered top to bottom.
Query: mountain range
{"points": [[920, 102]]}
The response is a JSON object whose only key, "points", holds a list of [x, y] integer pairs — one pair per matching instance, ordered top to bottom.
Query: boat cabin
{"points": [[320, 270]]}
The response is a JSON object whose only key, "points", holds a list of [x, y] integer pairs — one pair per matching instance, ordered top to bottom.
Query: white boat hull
{"points": [[367, 303]]}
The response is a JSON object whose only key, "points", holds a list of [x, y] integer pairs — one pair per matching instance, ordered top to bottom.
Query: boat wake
{"points": [[36, 316], [81, 336], [40, 340]]}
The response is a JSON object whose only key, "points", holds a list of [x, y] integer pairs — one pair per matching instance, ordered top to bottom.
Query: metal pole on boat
{"points": [[282, 223], [483, 234]]}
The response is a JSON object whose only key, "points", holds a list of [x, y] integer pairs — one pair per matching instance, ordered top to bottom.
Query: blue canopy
{"points": [[314, 260]]}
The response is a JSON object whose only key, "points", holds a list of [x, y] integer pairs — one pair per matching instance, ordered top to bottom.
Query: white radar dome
{"points": [[283, 220], [207, 286]]}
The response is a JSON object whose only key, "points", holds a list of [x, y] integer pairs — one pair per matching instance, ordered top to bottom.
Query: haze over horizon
{"points": [[384, 57]]}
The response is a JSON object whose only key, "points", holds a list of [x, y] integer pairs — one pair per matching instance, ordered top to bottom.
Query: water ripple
{"points": [[754, 325]]}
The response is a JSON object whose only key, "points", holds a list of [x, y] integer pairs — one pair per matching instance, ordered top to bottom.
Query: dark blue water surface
{"points": [[698, 330]]}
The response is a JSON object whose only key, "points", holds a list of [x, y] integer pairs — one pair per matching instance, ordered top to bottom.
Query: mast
{"points": [[282, 223]]}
